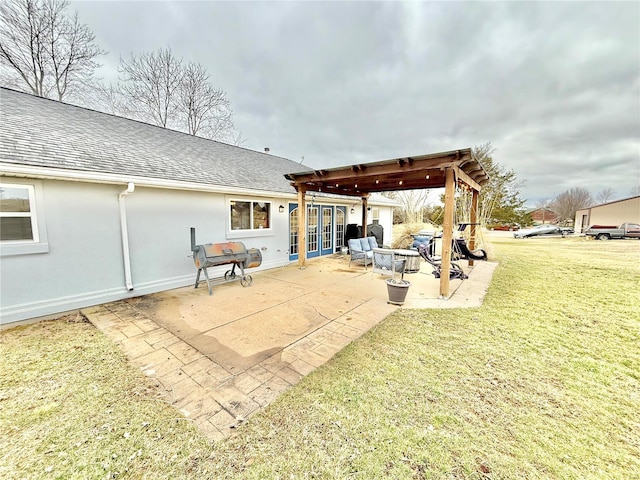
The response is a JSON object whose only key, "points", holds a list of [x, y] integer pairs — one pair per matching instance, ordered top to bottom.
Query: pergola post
{"points": [[364, 216], [474, 220], [302, 227], [447, 233]]}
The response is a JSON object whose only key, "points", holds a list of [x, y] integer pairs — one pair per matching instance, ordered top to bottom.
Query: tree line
{"points": [[46, 51]]}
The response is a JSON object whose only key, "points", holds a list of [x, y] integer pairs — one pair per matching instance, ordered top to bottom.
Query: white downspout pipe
{"points": [[125, 234]]}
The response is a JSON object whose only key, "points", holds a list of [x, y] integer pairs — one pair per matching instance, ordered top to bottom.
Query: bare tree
{"points": [[44, 49], [151, 83], [159, 88], [105, 98], [206, 110], [635, 191], [604, 195], [413, 203], [544, 203], [567, 203]]}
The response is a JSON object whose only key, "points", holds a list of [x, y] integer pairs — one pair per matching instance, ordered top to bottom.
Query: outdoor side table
{"points": [[412, 260]]}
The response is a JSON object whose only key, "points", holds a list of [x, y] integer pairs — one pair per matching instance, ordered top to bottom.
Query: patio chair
{"points": [[361, 249], [463, 251], [385, 262], [455, 271]]}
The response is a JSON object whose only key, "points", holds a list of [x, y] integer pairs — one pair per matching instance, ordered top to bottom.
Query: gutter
{"points": [[50, 173], [125, 234]]}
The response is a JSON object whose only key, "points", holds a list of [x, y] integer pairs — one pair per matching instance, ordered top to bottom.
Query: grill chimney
{"points": [[266, 149]]}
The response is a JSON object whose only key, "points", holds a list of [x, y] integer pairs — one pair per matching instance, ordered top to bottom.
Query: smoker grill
{"points": [[228, 253]]}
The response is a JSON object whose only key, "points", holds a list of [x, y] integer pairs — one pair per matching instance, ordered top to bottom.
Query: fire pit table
{"points": [[412, 260]]}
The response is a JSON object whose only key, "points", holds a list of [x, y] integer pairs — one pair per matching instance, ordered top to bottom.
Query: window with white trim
{"points": [[249, 215], [18, 220], [23, 229]]}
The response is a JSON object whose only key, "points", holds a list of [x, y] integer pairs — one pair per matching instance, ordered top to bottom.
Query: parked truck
{"points": [[607, 232]]}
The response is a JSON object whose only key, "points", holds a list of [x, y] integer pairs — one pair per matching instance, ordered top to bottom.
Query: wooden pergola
{"points": [[436, 170]]}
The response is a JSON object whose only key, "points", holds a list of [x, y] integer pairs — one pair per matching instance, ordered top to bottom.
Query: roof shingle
{"points": [[41, 132]]}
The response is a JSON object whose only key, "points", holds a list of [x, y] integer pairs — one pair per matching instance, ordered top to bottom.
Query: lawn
{"points": [[542, 381]]}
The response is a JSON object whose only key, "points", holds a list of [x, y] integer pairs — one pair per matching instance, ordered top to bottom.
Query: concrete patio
{"points": [[221, 358]]}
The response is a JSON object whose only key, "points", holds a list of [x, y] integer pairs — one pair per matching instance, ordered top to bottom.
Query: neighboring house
{"points": [[96, 208], [610, 213], [543, 215]]}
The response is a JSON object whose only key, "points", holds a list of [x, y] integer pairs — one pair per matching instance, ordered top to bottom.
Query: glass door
{"points": [[341, 215], [293, 231], [313, 232], [326, 240]]}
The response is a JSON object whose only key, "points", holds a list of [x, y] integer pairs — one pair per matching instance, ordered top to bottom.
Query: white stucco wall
{"points": [[84, 264]]}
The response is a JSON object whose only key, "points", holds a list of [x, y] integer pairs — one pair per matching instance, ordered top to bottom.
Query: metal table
{"points": [[412, 257]]}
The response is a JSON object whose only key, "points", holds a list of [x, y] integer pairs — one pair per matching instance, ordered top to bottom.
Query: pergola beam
{"points": [[462, 175]]}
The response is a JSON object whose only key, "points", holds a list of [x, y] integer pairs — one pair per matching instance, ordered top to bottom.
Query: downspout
{"points": [[125, 234]]}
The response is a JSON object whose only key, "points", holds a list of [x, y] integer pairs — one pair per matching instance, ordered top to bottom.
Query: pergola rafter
{"points": [[437, 170]]}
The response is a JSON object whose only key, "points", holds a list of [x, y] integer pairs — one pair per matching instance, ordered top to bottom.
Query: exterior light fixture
{"points": [[281, 208], [353, 210]]}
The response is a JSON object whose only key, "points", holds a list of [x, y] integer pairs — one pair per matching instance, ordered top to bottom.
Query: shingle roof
{"points": [[40, 132]]}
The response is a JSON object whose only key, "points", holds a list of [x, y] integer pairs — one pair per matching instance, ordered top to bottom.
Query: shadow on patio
{"points": [[220, 358]]}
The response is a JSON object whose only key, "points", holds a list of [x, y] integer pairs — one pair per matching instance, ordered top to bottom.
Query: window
{"points": [[247, 215], [375, 216], [18, 222], [22, 226]]}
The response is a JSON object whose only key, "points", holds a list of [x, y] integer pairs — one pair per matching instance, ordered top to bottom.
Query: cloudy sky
{"points": [[555, 87]]}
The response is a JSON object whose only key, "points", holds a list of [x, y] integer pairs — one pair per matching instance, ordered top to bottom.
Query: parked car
{"points": [[511, 227], [545, 229]]}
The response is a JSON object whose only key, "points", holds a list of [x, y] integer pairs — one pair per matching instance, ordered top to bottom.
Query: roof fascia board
{"points": [[9, 169], [42, 173]]}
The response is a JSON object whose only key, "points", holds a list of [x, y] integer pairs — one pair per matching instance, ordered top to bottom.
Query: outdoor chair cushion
{"points": [[420, 240], [367, 243]]}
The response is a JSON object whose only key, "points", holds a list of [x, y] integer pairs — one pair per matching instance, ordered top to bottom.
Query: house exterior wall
{"points": [[612, 213], [543, 215], [385, 219], [581, 222], [84, 262], [83, 265]]}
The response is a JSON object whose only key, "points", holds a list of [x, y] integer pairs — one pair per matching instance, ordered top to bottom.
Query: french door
{"points": [[320, 230]]}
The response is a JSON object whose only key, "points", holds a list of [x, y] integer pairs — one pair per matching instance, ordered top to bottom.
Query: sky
{"points": [[554, 86]]}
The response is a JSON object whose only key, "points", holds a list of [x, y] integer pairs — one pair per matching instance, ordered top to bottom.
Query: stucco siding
{"points": [[83, 237], [84, 264]]}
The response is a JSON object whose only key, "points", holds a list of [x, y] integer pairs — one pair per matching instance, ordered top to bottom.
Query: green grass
{"points": [[542, 381]]}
